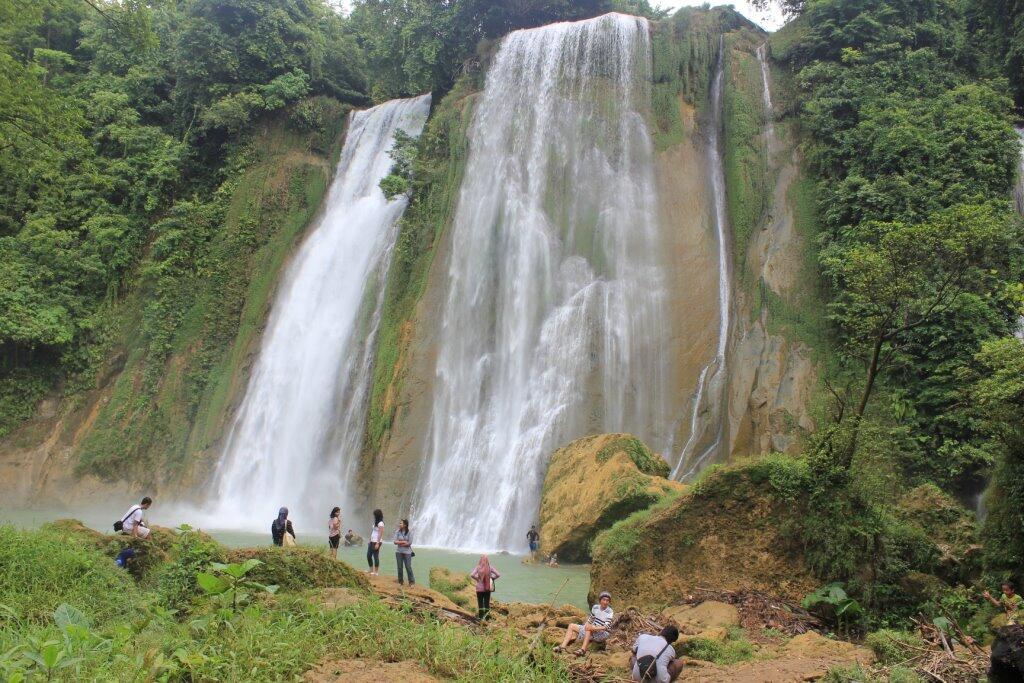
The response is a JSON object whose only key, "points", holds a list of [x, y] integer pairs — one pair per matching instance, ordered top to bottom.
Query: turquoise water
{"points": [[518, 583]]}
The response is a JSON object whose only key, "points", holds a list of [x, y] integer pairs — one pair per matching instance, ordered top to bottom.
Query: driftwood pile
{"points": [[762, 611], [946, 656]]}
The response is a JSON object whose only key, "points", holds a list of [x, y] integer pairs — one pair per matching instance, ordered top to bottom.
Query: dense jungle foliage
{"points": [[906, 117]]}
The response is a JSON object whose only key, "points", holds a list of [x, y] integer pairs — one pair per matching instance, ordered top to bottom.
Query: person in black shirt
{"points": [[281, 525], [532, 537]]}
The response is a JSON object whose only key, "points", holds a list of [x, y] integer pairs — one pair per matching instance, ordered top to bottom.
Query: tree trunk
{"points": [[869, 384]]}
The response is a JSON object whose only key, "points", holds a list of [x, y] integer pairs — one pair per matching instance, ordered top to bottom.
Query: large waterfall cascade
{"points": [[554, 324], [298, 432], [708, 433]]}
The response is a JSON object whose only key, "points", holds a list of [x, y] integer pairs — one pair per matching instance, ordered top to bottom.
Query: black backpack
{"points": [[119, 524], [648, 665]]}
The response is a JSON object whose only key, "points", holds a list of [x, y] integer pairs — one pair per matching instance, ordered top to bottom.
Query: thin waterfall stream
{"points": [[554, 325], [709, 410], [298, 432]]}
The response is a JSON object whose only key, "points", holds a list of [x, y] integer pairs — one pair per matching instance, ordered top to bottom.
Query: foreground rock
{"points": [[592, 483], [725, 534], [1008, 655]]}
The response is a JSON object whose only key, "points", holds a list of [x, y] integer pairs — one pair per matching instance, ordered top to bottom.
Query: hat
{"points": [[605, 594]]}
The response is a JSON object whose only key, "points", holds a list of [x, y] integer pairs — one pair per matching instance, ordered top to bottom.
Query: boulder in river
{"points": [[591, 484]]}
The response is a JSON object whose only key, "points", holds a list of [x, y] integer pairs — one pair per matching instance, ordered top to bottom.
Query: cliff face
{"points": [[153, 419], [159, 423]]}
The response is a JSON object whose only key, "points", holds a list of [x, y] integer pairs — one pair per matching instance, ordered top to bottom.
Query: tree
{"points": [[896, 277], [996, 395]]}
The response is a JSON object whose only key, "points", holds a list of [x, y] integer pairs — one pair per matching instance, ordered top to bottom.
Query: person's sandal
{"points": [[558, 648], [580, 653]]}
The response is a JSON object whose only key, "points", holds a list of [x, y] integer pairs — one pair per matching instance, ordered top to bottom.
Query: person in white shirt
{"points": [[132, 523], [376, 539], [596, 629], [654, 657]]}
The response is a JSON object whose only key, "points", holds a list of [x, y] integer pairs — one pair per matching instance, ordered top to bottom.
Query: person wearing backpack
{"points": [[131, 522], [654, 658]]}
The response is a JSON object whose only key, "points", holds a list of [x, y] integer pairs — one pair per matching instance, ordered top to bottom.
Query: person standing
{"points": [[132, 523], [281, 530], [334, 531], [533, 538], [376, 540], [403, 551], [484, 575], [1009, 602]]}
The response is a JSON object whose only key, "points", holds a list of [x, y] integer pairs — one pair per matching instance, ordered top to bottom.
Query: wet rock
{"points": [[1007, 655]]}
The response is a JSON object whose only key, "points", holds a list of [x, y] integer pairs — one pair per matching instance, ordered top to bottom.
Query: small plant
{"points": [[229, 584], [832, 603]]}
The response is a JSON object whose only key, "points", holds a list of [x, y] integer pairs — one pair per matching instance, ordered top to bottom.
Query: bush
{"points": [[42, 569], [296, 569], [176, 580]]}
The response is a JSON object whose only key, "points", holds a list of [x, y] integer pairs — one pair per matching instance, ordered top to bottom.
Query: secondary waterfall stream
{"points": [[554, 321], [708, 423], [299, 429]]}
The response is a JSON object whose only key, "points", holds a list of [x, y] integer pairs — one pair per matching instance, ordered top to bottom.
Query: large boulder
{"points": [[592, 483], [728, 532], [1008, 655]]}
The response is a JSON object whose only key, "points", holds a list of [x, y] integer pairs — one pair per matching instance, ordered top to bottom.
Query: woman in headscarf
{"points": [[281, 526], [484, 575]]}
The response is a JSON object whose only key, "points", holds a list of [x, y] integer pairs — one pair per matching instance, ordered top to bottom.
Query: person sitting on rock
{"points": [[350, 538], [553, 560], [1010, 602], [596, 629], [654, 657]]}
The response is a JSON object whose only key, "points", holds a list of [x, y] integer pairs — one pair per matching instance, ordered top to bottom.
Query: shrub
{"points": [[296, 569], [176, 580]]}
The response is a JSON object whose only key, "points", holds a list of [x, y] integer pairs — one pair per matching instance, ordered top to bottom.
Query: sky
{"points": [[770, 20]]}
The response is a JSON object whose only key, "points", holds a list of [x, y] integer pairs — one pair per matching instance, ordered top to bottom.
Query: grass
{"points": [[646, 461], [128, 635], [733, 650]]}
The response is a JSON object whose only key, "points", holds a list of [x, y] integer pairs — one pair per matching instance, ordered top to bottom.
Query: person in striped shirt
{"points": [[597, 628]]}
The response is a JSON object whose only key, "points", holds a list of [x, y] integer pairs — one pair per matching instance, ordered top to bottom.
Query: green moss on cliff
{"points": [[744, 157], [439, 166], [178, 345], [645, 461]]}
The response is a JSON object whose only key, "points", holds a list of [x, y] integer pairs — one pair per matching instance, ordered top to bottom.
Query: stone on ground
{"points": [[710, 619]]}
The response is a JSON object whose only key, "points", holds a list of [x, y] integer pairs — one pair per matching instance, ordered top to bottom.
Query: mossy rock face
{"points": [[594, 482], [727, 532], [297, 569], [456, 586]]}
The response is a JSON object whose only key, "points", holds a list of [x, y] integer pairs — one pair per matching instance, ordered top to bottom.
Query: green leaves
{"points": [[229, 583]]}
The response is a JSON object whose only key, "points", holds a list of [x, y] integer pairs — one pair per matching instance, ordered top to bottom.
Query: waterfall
{"points": [[769, 109], [1018, 188], [554, 323], [709, 408], [298, 433]]}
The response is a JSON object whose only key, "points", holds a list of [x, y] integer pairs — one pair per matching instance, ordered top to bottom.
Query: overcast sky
{"points": [[770, 20]]}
